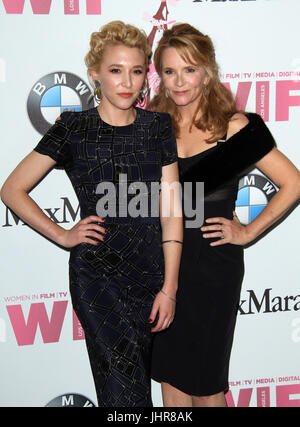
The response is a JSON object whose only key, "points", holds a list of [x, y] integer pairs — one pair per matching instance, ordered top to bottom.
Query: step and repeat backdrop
{"points": [[42, 72]]}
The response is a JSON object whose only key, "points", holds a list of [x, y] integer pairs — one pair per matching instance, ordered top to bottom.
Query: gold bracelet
{"points": [[176, 241], [173, 299]]}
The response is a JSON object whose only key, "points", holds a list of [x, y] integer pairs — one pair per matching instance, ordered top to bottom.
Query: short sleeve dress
{"points": [[113, 285], [193, 354]]}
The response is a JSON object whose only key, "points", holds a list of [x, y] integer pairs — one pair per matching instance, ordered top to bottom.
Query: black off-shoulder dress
{"points": [[113, 285], [193, 353]]}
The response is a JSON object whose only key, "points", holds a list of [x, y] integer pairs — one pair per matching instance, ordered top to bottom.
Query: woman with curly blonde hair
{"points": [[216, 144], [120, 275]]}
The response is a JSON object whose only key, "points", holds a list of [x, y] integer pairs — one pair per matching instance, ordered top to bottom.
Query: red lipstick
{"points": [[183, 92], [125, 94]]}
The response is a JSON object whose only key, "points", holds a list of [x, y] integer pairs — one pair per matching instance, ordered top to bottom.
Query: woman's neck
{"points": [[187, 112], [116, 116]]}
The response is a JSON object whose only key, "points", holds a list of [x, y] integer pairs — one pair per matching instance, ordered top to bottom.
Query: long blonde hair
{"points": [[216, 101]]}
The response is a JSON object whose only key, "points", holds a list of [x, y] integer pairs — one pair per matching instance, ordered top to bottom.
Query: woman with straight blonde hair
{"points": [[216, 144], [120, 273]]}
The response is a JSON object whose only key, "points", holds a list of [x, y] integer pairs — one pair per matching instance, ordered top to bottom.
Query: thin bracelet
{"points": [[176, 241], [173, 299]]}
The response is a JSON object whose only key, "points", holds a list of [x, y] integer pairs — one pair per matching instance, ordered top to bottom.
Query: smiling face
{"points": [[121, 74], [183, 80]]}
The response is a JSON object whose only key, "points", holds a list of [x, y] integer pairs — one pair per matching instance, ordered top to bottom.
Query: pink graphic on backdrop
{"points": [[42, 7], [71, 7], [93, 7], [159, 20], [159, 23], [153, 79], [153, 82], [242, 93], [262, 99], [284, 100], [25, 332], [78, 333], [288, 395], [263, 397], [244, 398]]}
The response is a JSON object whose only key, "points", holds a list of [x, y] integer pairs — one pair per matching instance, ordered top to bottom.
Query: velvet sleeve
{"points": [[234, 156]]}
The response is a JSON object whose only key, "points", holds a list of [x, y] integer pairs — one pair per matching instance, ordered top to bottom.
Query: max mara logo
{"points": [[42, 7], [267, 303]]}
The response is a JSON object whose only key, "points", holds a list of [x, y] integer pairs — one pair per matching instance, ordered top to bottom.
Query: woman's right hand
{"points": [[82, 231], [164, 308]]}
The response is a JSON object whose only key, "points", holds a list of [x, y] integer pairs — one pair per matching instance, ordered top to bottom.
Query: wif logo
{"points": [[42, 7]]}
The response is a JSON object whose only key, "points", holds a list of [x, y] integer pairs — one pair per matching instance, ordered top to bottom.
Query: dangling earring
{"points": [[205, 88], [97, 90], [205, 91], [143, 93], [166, 93]]}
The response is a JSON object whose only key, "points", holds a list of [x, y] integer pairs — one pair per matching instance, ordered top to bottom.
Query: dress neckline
{"points": [[115, 126], [220, 142], [201, 152]]}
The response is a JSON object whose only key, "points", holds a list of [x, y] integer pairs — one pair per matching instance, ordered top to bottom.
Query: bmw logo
{"points": [[53, 94], [255, 191], [71, 401]]}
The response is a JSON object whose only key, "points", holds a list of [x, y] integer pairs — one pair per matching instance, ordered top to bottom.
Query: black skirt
{"points": [[193, 353]]}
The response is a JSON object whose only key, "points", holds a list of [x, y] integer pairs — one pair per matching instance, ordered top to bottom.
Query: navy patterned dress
{"points": [[113, 285]]}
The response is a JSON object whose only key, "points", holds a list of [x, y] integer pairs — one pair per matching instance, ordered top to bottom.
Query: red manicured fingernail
{"points": [[150, 320]]}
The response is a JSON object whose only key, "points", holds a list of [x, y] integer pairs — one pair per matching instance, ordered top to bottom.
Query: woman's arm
{"points": [[285, 176], [14, 193], [172, 226], [172, 229]]}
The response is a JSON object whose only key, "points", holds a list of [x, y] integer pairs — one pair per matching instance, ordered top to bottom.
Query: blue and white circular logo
{"points": [[53, 94], [255, 191], [71, 400]]}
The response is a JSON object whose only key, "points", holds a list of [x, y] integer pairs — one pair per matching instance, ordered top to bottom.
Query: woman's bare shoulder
{"points": [[237, 122]]}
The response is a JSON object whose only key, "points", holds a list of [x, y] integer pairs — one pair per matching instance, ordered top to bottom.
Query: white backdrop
{"points": [[43, 43]]}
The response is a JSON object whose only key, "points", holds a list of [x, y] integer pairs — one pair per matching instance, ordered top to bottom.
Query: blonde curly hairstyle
{"points": [[112, 34]]}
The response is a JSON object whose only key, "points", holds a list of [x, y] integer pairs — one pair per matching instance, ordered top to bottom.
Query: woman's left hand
{"points": [[228, 231]]}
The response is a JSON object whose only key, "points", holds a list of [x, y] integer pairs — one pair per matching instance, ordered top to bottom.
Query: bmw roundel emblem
{"points": [[53, 94], [255, 191], [71, 400]]}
